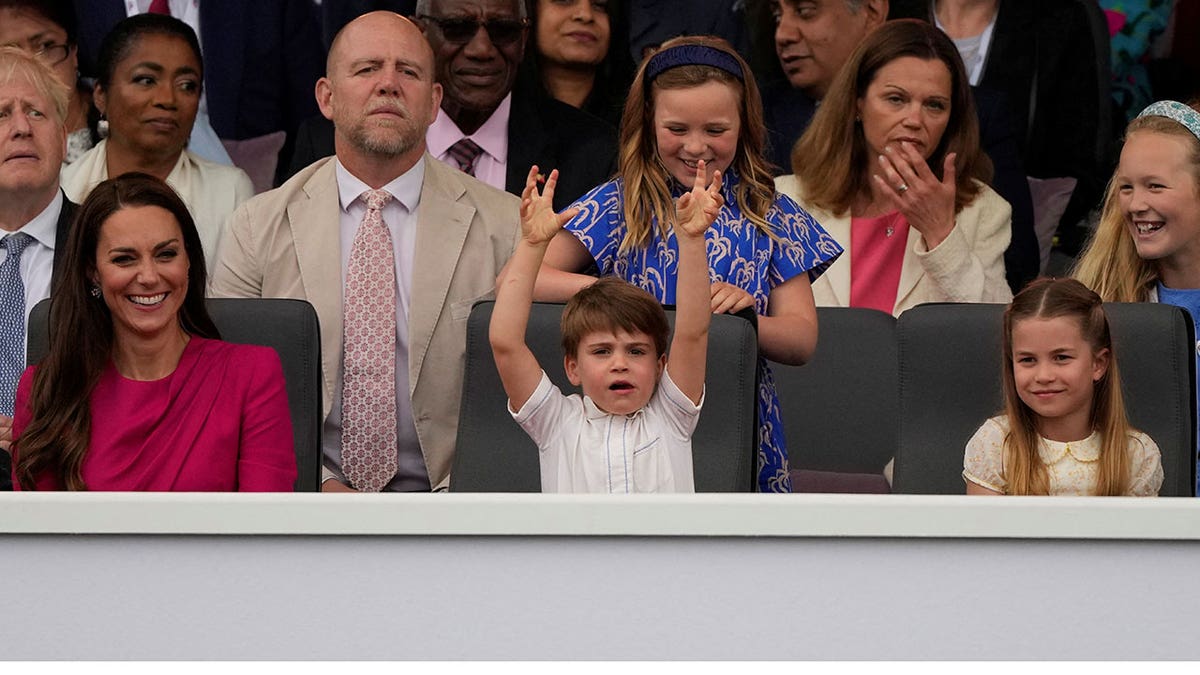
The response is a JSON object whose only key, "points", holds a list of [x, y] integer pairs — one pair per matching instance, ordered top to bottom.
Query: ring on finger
{"points": [[902, 188]]}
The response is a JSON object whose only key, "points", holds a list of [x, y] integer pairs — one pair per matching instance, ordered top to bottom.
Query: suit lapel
{"points": [[526, 142], [443, 221], [61, 231], [315, 234], [910, 270], [838, 273]]}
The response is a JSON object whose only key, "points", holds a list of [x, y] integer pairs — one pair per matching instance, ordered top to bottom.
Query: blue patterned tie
{"points": [[12, 319]]}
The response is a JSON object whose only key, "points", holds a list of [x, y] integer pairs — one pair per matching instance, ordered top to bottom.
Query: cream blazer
{"points": [[211, 191], [284, 243], [968, 266]]}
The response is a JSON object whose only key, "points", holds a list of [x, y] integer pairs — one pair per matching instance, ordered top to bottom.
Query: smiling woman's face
{"points": [[573, 32], [152, 100], [908, 101]]}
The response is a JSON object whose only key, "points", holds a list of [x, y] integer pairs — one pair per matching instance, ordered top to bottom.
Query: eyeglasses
{"points": [[461, 30], [52, 54]]}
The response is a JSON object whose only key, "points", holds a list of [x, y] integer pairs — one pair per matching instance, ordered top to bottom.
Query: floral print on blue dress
{"points": [[739, 254]]}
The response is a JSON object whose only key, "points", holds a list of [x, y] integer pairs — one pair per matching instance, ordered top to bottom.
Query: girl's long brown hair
{"points": [[831, 157], [647, 182], [56, 440], [1024, 471]]}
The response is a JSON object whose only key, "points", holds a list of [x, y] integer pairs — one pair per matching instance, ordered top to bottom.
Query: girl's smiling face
{"points": [[696, 123], [1159, 197], [1056, 371]]}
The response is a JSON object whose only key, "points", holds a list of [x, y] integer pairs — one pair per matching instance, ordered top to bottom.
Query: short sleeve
{"points": [[599, 225], [803, 246], [676, 408], [542, 415], [983, 461], [1145, 466]]}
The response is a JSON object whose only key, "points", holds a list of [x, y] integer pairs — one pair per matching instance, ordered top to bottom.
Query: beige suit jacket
{"points": [[285, 244], [968, 266]]}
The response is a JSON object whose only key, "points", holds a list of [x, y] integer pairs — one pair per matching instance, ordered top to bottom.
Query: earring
{"points": [[102, 127], [95, 290]]}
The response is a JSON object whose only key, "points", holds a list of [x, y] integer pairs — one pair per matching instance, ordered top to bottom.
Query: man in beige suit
{"points": [[450, 234]]}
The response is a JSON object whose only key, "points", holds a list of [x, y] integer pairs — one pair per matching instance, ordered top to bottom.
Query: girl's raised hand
{"points": [[925, 202], [696, 211], [539, 222]]}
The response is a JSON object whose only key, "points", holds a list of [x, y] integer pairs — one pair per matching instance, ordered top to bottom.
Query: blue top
{"points": [[738, 253], [1189, 299]]}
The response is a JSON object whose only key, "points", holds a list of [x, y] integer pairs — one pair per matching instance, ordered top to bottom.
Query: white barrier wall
{"points": [[103, 576]]}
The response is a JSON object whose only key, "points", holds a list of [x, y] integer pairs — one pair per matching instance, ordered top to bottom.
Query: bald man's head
{"points": [[378, 89]]}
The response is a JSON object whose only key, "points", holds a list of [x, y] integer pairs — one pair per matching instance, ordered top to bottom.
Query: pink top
{"points": [[877, 248], [219, 423]]}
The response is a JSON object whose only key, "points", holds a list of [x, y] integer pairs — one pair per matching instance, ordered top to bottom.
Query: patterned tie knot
{"points": [[464, 153], [376, 199], [15, 244]]}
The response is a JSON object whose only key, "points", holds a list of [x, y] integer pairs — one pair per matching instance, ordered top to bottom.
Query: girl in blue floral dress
{"points": [[696, 99]]}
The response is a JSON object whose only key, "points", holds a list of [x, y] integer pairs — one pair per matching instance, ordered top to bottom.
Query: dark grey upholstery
{"points": [[288, 326], [950, 383], [840, 410], [493, 454]]}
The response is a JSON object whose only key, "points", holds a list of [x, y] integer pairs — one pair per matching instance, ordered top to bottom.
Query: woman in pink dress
{"points": [[137, 391]]}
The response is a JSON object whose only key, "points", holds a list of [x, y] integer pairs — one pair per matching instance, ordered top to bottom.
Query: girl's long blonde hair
{"points": [[647, 192], [1110, 264], [1024, 471]]}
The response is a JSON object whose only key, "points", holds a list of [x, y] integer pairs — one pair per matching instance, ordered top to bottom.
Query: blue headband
{"points": [[692, 55], [1177, 111]]}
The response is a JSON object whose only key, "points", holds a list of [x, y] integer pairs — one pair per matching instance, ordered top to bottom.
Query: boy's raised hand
{"points": [[696, 211], [539, 222]]}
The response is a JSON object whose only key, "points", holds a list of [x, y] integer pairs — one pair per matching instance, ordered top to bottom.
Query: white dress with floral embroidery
{"points": [[1071, 467]]}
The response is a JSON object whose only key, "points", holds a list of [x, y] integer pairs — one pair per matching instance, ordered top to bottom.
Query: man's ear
{"points": [[877, 12], [324, 93], [571, 366]]}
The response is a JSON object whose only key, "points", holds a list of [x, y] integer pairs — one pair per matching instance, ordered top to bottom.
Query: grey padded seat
{"points": [[290, 328], [950, 383], [840, 410], [493, 454]]}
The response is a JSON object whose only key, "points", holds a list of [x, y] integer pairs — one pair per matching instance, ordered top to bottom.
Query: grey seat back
{"points": [[290, 328], [950, 373], [840, 410], [493, 454]]}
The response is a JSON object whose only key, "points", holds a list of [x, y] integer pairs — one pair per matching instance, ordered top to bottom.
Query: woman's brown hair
{"points": [[831, 158], [81, 332], [1024, 471]]}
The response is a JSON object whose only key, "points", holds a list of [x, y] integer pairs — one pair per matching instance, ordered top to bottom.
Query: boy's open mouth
{"points": [[620, 385]]}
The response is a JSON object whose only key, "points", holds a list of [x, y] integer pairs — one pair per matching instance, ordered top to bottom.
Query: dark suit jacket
{"points": [[262, 59], [1044, 59], [788, 112], [541, 130], [61, 231]]}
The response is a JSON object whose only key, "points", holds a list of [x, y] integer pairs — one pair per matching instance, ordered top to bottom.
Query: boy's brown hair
{"points": [[610, 304]]}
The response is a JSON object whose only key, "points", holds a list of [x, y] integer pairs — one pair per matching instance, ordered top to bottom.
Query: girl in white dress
{"points": [[1064, 431]]}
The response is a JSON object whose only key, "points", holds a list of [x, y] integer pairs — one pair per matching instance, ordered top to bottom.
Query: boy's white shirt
{"points": [[584, 449]]}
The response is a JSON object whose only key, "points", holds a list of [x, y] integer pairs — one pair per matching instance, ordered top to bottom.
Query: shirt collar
{"points": [[492, 136], [405, 188], [44, 226], [593, 412], [1086, 450]]}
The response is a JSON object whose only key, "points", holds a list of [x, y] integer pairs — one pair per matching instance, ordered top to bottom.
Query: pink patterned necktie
{"points": [[160, 7], [369, 354]]}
